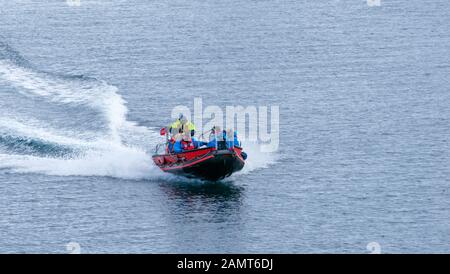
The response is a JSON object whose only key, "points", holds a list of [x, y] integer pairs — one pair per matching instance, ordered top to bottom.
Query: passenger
{"points": [[181, 125], [187, 126], [175, 127], [212, 137], [229, 140], [195, 142], [186, 143], [237, 143], [170, 145], [177, 148]]}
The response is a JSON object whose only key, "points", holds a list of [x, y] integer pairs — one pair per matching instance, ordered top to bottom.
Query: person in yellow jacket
{"points": [[182, 125]]}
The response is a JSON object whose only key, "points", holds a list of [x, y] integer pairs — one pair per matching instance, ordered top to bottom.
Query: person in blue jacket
{"points": [[212, 137], [228, 139], [231, 141], [237, 143], [170, 145], [177, 148]]}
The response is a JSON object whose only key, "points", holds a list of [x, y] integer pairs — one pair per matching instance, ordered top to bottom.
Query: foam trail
{"points": [[96, 94], [33, 130], [101, 155], [98, 158], [119, 163]]}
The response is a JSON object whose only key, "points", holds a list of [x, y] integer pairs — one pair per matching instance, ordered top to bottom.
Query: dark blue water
{"points": [[364, 120]]}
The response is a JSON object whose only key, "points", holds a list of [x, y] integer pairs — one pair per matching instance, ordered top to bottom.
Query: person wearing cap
{"points": [[181, 125]]}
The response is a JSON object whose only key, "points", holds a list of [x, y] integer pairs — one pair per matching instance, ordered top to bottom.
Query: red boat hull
{"points": [[206, 163]]}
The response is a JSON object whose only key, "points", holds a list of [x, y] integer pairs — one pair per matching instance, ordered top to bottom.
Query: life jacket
{"points": [[175, 124], [175, 127], [188, 127], [186, 145]]}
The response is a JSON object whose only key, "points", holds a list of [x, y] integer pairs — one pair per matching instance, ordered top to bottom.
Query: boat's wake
{"points": [[71, 126]]}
